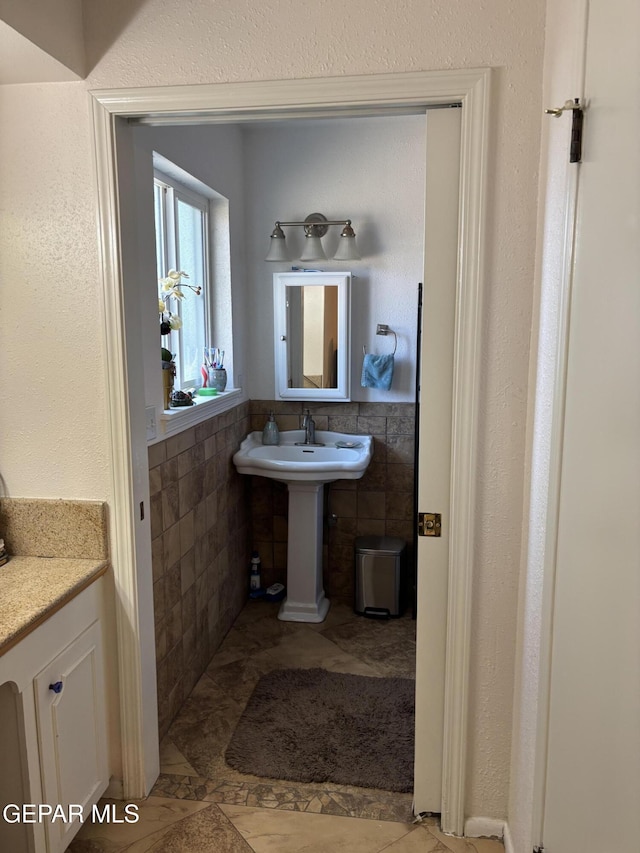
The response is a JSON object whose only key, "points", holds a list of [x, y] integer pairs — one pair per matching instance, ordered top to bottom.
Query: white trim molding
{"points": [[414, 91], [266, 99], [473, 158], [173, 421], [122, 532], [484, 827], [507, 840]]}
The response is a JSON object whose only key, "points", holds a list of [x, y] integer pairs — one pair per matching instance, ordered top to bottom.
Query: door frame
{"points": [[369, 94]]}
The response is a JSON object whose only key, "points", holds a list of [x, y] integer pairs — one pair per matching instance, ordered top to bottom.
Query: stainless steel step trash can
{"points": [[380, 575]]}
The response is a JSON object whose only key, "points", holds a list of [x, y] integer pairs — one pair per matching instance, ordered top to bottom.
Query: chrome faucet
{"points": [[309, 427]]}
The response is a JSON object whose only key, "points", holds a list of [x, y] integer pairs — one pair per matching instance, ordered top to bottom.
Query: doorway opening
{"points": [[130, 555]]}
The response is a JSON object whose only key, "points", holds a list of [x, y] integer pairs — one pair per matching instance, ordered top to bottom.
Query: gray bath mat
{"points": [[311, 725]]}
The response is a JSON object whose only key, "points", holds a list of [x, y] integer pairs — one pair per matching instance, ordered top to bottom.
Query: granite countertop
{"points": [[33, 588]]}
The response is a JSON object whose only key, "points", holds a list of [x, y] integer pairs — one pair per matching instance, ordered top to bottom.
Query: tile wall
{"points": [[380, 504], [206, 519], [200, 550]]}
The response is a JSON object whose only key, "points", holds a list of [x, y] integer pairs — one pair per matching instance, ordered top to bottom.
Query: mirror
{"points": [[311, 313]]}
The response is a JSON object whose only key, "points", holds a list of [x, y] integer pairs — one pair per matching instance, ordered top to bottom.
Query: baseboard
{"points": [[115, 789], [484, 827], [507, 840]]}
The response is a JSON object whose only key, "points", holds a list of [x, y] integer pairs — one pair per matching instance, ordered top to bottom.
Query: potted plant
{"points": [[171, 287]]}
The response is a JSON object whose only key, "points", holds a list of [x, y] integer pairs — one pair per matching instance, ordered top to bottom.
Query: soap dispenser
{"points": [[271, 433]]}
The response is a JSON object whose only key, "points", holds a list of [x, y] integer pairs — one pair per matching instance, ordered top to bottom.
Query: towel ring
{"points": [[383, 329]]}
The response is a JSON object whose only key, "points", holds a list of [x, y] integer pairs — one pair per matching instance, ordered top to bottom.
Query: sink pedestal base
{"points": [[305, 601]]}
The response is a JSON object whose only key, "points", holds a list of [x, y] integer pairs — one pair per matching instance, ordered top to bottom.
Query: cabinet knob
{"points": [[56, 687]]}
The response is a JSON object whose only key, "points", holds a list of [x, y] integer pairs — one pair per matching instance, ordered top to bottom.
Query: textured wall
{"points": [[54, 25], [371, 170], [53, 422], [52, 446]]}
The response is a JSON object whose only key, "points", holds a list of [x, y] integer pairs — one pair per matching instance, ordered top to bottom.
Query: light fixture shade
{"points": [[277, 246], [313, 250], [347, 250]]}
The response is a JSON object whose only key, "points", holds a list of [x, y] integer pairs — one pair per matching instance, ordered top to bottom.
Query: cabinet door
{"points": [[70, 698]]}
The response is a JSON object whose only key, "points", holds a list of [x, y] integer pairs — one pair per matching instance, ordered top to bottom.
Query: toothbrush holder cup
{"points": [[217, 378]]}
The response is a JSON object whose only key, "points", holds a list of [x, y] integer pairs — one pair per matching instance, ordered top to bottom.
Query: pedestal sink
{"points": [[305, 469]]}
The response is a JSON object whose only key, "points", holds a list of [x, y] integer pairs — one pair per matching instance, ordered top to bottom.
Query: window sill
{"points": [[172, 421]]}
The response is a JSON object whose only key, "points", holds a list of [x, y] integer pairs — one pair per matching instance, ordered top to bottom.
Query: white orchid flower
{"points": [[176, 275], [170, 288]]}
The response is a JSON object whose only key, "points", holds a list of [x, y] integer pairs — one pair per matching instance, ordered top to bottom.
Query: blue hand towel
{"points": [[377, 371]]}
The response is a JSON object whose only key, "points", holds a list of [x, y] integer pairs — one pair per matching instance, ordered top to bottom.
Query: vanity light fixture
{"points": [[315, 226]]}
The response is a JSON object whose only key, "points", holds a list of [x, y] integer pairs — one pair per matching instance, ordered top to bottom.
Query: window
{"points": [[182, 228]]}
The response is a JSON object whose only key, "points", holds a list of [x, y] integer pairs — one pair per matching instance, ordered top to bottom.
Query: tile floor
{"points": [[200, 804]]}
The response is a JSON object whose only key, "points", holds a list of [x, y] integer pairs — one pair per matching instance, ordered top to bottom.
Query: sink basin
{"points": [[343, 457], [305, 469]]}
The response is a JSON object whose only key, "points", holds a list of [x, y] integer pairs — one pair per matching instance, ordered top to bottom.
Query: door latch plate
{"points": [[429, 524]]}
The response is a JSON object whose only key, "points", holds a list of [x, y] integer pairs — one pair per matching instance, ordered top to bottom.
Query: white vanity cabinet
{"points": [[69, 697], [58, 724]]}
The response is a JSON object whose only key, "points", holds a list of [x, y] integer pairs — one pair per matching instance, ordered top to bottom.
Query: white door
{"points": [[434, 466], [592, 798]]}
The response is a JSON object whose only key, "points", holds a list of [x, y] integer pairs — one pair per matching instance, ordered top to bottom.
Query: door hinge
{"points": [[577, 122], [429, 524]]}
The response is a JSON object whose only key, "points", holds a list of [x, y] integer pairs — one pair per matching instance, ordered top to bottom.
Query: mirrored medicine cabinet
{"points": [[311, 323]]}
